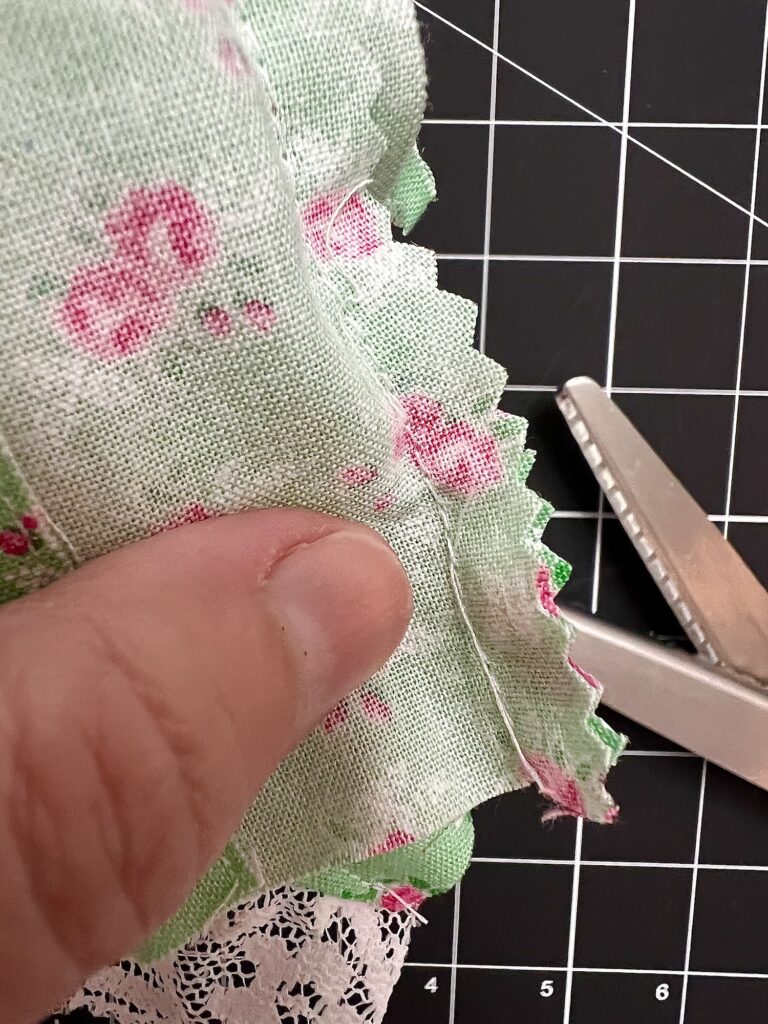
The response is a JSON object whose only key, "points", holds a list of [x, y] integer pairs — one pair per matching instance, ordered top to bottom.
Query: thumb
{"points": [[144, 699]]}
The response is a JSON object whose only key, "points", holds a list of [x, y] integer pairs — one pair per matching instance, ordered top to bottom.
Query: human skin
{"points": [[144, 699]]}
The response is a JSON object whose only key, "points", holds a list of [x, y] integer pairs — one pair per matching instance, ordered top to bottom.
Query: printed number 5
{"points": [[431, 986], [547, 989], [662, 992]]}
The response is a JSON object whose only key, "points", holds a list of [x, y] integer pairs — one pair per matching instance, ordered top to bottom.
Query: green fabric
{"points": [[203, 310], [31, 554], [431, 866]]}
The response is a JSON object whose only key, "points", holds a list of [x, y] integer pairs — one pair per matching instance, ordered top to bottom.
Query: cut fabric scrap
{"points": [[220, 274], [400, 873], [405, 873]]}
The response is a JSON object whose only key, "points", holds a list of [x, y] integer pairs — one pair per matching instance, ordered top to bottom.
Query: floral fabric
{"points": [[203, 310]]}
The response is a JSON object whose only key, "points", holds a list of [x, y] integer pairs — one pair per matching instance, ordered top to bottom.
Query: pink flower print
{"points": [[233, 60], [335, 227], [165, 230], [112, 310], [260, 315], [216, 321], [424, 417], [456, 456], [462, 459], [358, 476], [384, 503], [192, 513], [18, 539], [14, 542], [546, 593], [586, 676], [374, 708], [336, 717], [555, 784], [611, 815], [394, 841], [400, 897]]}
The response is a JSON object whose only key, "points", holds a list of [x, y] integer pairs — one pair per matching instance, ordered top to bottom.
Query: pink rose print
{"points": [[233, 60], [165, 230], [353, 231], [162, 238], [112, 310], [260, 315], [216, 321], [424, 418], [458, 457], [464, 460], [358, 476], [384, 503], [192, 513], [18, 540], [14, 542], [546, 593], [586, 676], [374, 708], [336, 717], [556, 785], [394, 841], [401, 897]]}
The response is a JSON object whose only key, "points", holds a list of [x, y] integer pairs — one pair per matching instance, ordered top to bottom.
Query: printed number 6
{"points": [[431, 986], [547, 989], [662, 992]]}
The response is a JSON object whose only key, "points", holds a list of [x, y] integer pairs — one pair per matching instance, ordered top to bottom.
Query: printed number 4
{"points": [[431, 986], [547, 988], [662, 992]]}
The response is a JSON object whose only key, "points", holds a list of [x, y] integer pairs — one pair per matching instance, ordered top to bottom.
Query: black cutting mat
{"points": [[588, 259]]}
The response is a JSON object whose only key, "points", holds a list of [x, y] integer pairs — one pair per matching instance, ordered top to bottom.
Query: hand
{"points": [[144, 699]]}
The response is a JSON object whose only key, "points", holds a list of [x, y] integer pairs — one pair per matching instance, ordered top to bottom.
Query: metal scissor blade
{"points": [[718, 601], [679, 696]]}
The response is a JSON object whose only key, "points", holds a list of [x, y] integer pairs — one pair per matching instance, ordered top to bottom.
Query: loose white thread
{"points": [[353, 191], [394, 407], [456, 587], [388, 891]]}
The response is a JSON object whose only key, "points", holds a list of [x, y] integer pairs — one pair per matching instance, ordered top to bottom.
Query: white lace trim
{"points": [[287, 957]]}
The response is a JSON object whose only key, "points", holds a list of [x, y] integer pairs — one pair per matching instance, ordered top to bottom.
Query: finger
{"points": [[144, 699]]}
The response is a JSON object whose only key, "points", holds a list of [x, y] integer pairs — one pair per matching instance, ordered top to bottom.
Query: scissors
{"points": [[714, 702]]}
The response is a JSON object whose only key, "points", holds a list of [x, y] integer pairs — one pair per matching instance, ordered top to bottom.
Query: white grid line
{"points": [[590, 113], [522, 123], [489, 180], [616, 261], [693, 261], [747, 275], [615, 277], [617, 389], [713, 518], [664, 865], [694, 881], [573, 921], [454, 952], [546, 968]]}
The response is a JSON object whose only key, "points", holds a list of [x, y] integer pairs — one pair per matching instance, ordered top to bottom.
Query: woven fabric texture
{"points": [[203, 311]]}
